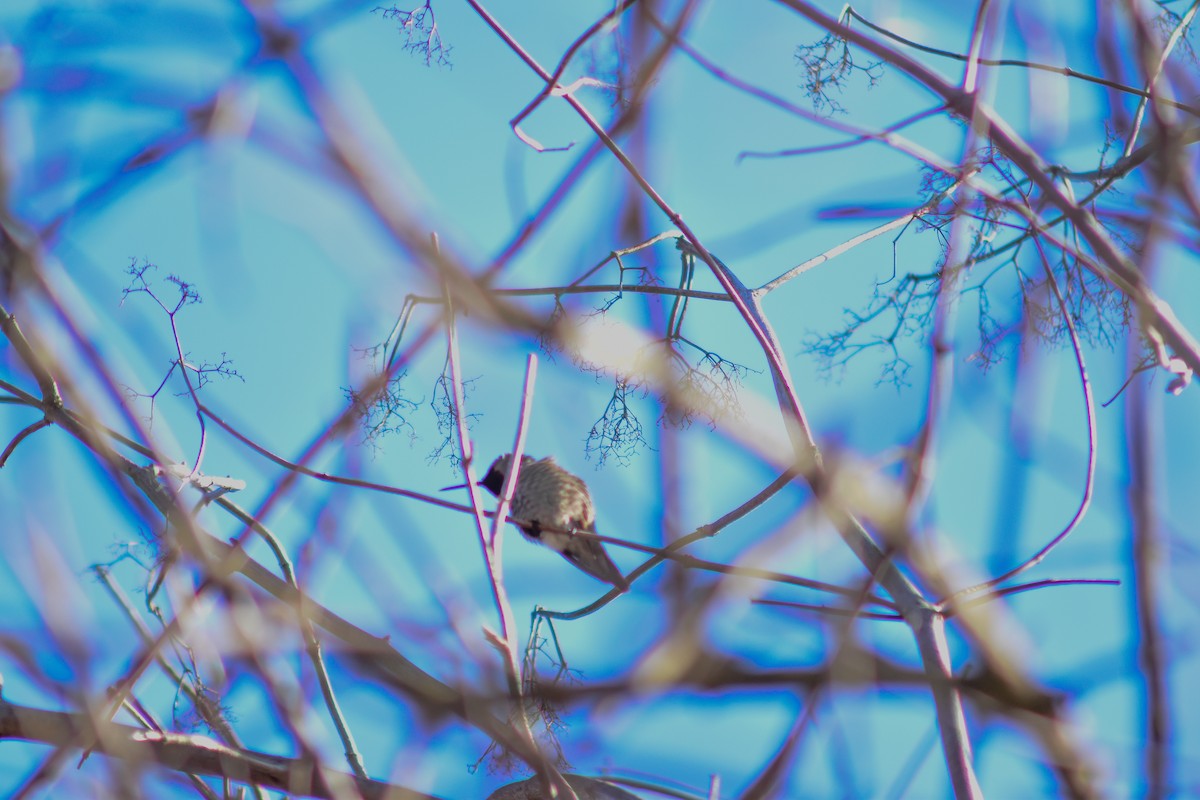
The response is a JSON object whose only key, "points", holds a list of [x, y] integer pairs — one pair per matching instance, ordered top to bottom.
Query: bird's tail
{"points": [[589, 555]]}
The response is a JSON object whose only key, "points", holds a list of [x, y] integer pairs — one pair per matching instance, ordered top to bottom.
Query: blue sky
{"points": [[297, 274]]}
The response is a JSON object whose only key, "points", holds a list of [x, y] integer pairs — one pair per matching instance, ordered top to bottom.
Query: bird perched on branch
{"points": [[551, 503]]}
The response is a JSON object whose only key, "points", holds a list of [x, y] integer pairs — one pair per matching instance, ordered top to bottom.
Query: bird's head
{"points": [[493, 481]]}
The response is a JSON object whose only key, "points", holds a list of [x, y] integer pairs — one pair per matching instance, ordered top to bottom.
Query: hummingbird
{"points": [[547, 495]]}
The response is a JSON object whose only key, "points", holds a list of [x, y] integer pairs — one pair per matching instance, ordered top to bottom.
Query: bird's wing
{"points": [[585, 520]]}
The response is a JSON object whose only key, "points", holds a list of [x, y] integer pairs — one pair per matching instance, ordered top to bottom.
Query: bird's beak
{"points": [[456, 486]]}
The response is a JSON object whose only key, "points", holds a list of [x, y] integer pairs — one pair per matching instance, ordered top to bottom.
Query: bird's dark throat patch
{"points": [[494, 482]]}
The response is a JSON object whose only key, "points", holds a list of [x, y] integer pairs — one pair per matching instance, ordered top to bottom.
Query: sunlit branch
{"points": [[552, 84]]}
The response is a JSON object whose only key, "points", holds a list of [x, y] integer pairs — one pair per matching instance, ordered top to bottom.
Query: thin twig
{"points": [[1009, 62], [552, 84], [1151, 93], [23, 434], [1090, 475]]}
